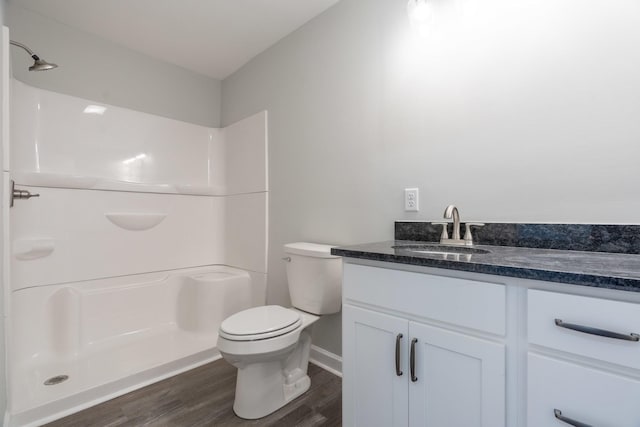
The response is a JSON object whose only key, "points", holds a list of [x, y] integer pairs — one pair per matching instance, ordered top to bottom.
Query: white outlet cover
{"points": [[411, 200]]}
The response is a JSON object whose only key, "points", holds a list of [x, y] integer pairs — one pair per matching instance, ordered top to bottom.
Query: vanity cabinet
{"points": [[422, 350], [488, 351], [583, 360], [582, 394]]}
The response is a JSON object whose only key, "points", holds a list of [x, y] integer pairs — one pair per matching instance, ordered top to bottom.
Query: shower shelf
{"points": [[82, 182], [136, 221], [34, 248]]}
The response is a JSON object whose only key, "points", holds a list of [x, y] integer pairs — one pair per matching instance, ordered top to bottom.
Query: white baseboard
{"points": [[326, 360]]}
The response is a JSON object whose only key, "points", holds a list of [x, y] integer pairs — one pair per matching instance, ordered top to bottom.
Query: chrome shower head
{"points": [[39, 64]]}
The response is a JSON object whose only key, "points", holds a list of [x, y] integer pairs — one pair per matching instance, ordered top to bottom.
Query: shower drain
{"points": [[56, 380]]}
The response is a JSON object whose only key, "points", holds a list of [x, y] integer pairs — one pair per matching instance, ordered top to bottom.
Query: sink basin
{"points": [[435, 248]]}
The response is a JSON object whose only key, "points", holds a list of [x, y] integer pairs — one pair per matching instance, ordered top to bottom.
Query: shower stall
{"points": [[145, 234]]}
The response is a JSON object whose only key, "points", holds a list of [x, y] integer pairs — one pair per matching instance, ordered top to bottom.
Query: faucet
{"points": [[452, 211]]}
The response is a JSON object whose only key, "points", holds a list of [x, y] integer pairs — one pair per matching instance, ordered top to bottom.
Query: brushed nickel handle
{"points": [[19, 194], [444, 235], [468, 236], [287, 259], [599, 332], [398, 339], [412, 360], [558, 414]]}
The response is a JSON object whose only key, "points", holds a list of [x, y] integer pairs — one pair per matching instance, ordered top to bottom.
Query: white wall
{"points": [[96, 69], [514, 110]]}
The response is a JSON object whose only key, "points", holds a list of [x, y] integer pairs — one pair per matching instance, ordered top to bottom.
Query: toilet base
{"points": [[265, 387], [257, 402]]}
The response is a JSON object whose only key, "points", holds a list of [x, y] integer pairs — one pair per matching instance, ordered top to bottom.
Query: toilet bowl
{"points": [[270, 345], [272, 370]]}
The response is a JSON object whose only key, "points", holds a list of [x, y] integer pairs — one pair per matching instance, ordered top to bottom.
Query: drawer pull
{"points": [[599, 332], [412, 360], [398, 371], [574, 423]]}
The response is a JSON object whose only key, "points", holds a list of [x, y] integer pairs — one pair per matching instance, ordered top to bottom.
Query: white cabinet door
{"points": [[460, 380], [373, 394], [583, 394]]}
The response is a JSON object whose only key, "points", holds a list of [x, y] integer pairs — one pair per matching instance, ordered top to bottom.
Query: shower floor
{"points": [[113, 335], [102, 373], [204, 397]]}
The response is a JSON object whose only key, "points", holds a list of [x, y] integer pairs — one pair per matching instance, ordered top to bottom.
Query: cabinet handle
{"points": [[599, 332], [412, 360], [398, 371], [558, 414]]}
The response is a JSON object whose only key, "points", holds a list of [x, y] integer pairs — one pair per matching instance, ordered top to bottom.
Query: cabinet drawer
{"points": [[469, 303], [615, 316], [587, 395]]}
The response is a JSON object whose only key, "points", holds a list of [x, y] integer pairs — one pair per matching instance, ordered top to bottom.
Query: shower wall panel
{"points": [[60, 135], [246, 155], [246, 204], [246, 231], [68, 235]]}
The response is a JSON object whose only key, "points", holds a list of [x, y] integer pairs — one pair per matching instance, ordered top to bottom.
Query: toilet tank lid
{"points": [[310, 249]]}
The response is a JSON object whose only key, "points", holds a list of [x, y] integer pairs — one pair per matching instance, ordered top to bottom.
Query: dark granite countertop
{"points": [[596, 269]]}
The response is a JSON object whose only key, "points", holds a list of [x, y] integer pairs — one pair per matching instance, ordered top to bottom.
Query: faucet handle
{"points": [[445, 232], [468, 237]]}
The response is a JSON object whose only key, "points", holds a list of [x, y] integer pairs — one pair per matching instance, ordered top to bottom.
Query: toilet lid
{"points": [[260, 323]]}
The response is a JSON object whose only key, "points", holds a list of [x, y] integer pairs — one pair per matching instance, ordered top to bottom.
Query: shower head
{"points": [[39, 64], [42, 65]]}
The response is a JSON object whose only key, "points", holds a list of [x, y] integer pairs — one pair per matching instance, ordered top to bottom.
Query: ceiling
{"points": [[210, 37]]}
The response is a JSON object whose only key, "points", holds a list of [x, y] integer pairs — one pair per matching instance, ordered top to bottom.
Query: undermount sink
{"points": [[435, 248]]}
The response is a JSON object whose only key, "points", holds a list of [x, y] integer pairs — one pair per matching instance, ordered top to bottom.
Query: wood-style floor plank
{"points": [[203, 397]]}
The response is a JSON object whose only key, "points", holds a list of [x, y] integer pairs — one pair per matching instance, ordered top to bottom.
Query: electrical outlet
{"points": [[411, 200]]}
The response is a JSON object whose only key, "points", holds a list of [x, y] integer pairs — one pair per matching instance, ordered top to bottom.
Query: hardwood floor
{"points": [[204, 397]]}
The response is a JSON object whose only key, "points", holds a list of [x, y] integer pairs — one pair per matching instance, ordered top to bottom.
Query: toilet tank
{"points": [[314, 277]]}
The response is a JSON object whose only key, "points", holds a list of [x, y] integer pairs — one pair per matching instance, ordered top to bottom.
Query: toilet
{"points": [[270, 345]]}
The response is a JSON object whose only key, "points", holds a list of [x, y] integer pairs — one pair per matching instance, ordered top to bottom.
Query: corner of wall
{"points": [[4, 115]]}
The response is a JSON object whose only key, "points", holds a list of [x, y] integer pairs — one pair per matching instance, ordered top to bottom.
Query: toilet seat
{"points": [[260, 323]]}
